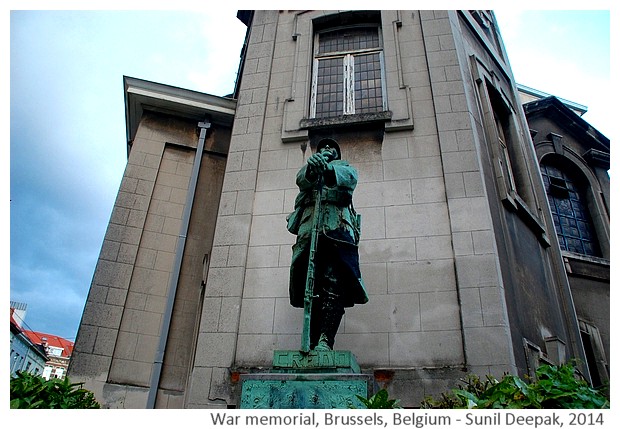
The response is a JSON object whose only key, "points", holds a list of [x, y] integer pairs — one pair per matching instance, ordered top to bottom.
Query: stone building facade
{"points": [[574, 160], [458, 249]]}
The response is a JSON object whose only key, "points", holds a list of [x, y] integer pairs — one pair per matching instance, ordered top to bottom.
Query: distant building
{"points": [[485, 237], [58, 350], [39, 353], [26, 355]]}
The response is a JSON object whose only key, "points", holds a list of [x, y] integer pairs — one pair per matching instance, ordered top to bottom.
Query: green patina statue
{"points": [[325, 275]]}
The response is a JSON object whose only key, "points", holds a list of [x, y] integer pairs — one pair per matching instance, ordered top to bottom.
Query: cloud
{"points": [[564, 53], [68, 144], [52, 261]]}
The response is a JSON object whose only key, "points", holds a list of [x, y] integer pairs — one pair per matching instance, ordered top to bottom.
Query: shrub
{"points": [[555, 387], [33, 391], [379, 400]]}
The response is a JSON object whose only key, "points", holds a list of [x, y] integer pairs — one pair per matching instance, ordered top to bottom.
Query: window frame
{"points": [[348, 70], [503, 134], [509, 158], [505, 165], [580, 186], [592, 333]]}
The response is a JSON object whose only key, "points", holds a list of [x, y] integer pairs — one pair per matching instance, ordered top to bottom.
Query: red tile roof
{"points": [[14, 322], [14, 325], [52, 340]]}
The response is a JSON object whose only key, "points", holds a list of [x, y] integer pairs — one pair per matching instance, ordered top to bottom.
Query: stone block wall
{"points": [[426, 254], [122, 320]]}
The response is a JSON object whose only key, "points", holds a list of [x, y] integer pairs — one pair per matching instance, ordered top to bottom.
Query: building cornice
{"points": [[141, 95], [580, 109], [556, 110]]}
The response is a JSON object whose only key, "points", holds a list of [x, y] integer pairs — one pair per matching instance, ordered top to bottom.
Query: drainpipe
{"points": [[176, 269]]}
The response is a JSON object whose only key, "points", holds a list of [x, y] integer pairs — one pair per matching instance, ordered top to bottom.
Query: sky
{"points": [[67, 124], [68, 138]]}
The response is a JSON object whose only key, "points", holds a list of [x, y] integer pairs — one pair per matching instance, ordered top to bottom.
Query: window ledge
{"points": [[345, 120], [516, 204], [585, 258], [587, 266]]}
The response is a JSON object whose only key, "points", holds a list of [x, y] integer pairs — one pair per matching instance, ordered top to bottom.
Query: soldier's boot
{"points": [[332, 313], [315, 322]]}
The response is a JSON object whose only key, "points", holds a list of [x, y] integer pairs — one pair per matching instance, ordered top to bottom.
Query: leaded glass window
{"points": [[348, 72], [568, 204]]}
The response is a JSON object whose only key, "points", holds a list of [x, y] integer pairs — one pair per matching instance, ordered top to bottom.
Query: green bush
{"points": [[555, 387], [33, 391], [379, 400]]}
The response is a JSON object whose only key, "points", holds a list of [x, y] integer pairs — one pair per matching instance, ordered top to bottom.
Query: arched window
{"points": [[569, 207]]}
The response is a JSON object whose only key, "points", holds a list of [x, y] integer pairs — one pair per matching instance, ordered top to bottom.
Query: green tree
{"points": [[33, 391]]}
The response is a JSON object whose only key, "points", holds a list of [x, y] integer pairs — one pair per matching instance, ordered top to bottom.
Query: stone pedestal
{"points": [[323, 379]]}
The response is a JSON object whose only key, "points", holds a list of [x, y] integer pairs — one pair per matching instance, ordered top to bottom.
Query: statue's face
{"points": [[329, 151]]}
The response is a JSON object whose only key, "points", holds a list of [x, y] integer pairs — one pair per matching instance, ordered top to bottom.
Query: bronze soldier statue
{"points": [[325, 275]]}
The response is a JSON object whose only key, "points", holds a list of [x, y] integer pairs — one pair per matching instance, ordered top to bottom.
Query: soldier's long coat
{"points": [[339, 234]]}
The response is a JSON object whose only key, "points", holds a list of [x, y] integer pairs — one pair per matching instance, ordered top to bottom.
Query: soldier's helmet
{"points": [[331, 143]]}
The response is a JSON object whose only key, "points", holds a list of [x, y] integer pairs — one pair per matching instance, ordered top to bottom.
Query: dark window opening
{"points": [[591, 359]]}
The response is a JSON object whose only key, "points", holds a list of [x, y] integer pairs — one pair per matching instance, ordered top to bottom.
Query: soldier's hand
{"points": [[317, 163]]}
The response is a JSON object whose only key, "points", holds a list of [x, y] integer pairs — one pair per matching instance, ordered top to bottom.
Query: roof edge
{"points": [[540, 94], [140, 95], [560, 110]]}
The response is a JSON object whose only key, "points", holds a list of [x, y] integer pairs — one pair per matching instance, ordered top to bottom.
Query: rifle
{"points": [[314, 240]]}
